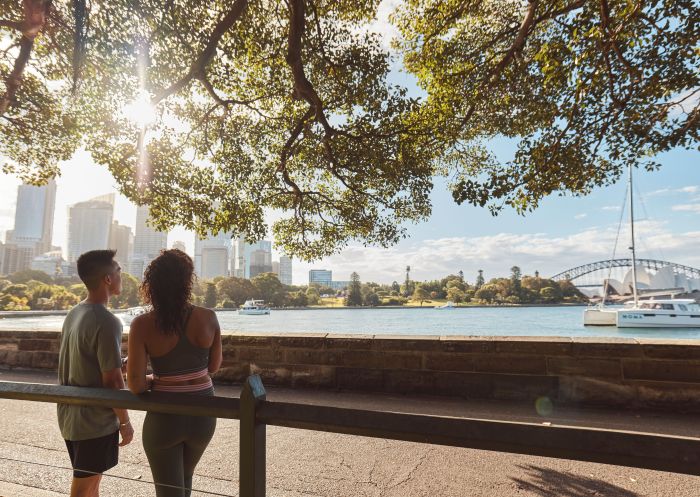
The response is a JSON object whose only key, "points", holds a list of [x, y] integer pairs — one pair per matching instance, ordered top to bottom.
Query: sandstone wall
{"points": [[597, 371]]}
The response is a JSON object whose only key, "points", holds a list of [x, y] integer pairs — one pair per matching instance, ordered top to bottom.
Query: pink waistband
{"points": [[163, 383]]}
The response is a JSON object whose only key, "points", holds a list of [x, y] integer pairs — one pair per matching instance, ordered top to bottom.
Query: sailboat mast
{"points": [[632, 247]]}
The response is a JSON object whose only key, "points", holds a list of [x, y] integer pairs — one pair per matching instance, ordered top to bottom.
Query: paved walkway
{"points": [[33, 461]]}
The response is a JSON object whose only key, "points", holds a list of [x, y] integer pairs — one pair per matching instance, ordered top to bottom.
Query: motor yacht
{"points": [[254, 308]]}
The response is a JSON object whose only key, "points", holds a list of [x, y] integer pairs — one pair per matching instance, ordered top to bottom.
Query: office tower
{"points": [[34, 216], [89, 225], [33, 229], [122, 240], [148, 242], [179, 245], [211, 255], [251, 259], [52, 263], [276, 268], [285, 270], [321, 277]]}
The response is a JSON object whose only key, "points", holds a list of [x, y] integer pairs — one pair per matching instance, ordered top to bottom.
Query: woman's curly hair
{"points": [[167, 286]]}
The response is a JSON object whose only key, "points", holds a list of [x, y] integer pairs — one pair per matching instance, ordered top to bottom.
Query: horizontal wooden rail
{"points": [[168, 403], [624, 448]]}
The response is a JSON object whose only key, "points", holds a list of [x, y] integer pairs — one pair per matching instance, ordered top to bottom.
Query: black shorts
{"points": [[94, 455]]}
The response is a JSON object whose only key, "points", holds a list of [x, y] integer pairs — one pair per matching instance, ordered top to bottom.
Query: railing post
{"points": [[252, 441]]}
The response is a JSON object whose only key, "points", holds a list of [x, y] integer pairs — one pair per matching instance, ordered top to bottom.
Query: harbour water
{"points": [[481, 321]]}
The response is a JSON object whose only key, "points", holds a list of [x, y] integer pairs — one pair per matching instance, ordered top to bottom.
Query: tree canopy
{"points": [[216, 113]]}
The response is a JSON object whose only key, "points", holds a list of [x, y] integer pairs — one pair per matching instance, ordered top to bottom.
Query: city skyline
{"points": [[562, 233]]}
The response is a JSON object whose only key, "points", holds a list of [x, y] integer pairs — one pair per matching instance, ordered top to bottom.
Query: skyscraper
{"points": [[89, 225], [33, 228], [122, 240], [148, 242], [212, 255], [251, 259], [285, 270], [321, 277]]}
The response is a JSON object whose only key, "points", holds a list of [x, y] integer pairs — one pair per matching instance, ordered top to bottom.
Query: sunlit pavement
{"points": [[34, 463]]}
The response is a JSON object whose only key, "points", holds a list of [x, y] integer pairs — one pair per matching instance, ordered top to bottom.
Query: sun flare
{"points": [[141, 111]]}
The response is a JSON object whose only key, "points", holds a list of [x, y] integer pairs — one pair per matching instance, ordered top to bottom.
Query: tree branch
{"points": [[35, 14], [199, 65], [303, 89]]}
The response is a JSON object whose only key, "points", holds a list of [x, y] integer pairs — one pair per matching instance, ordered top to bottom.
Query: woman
{"points": [[183, 342]]}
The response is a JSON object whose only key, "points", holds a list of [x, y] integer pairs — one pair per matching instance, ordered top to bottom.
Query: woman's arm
{"points": [[215, 353], [138, 358]]}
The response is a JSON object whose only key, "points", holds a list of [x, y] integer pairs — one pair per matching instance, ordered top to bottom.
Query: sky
{"points": [[562, 233]]}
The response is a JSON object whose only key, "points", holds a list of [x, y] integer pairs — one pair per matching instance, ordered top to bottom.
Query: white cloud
{"points": [[690, 189], [686, 207], [610, 208], [581, 216], [496, 254]]}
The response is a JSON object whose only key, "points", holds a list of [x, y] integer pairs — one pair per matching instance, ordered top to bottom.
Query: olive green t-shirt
{"points": [[90, 345]]}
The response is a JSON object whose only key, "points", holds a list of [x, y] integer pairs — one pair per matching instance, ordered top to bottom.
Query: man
{"points": [[90, 356]]}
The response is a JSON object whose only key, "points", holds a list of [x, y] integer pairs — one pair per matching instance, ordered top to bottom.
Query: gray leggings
{"points": [[174, 444]]}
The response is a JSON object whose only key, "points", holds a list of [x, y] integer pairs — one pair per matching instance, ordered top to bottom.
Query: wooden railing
{"points": [[640, 450]]}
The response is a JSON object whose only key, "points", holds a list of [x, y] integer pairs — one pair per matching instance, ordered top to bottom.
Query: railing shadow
{"points": [[547, 482]]}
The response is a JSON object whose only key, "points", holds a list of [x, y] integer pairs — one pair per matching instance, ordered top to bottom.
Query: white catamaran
{"points": [[666, 313]]}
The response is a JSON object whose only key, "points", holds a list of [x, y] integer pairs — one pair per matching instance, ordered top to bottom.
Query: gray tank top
{"points": [[184, 358]]}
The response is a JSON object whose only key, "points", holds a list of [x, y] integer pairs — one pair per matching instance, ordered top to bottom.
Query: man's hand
{"points": [[127, 433]]}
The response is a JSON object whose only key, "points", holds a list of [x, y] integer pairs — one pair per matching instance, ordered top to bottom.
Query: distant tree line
{"points": [[36, 290]]}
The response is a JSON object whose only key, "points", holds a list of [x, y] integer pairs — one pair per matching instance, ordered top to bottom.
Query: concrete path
{"points": [[34, 463]]}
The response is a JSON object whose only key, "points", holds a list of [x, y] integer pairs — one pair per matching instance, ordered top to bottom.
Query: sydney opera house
{"points": [[663, 279]]}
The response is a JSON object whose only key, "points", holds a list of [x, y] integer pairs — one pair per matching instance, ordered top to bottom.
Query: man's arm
{"points": [[113, 379]]}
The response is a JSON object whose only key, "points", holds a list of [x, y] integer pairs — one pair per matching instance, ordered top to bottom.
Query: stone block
{"points": [[238, 338], [301, 340], [349, 341], [413, 343], [34, 344], [467, 344], [9, 345], [533, 345], [606, 347], [671, 349], [253, 354], [311, 356], [21, 359], [45, 360], [380, 360], [438, 361], [510, 364], [582, 366], [653, 370], [236, 373], [273, 374], [313, 376], [369, 380], [409, 382], [466, 385], [523, 387], [596, 391], [669, 395]]}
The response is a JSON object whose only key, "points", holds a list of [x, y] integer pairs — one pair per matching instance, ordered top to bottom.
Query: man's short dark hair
{"points": [[94, 265]]}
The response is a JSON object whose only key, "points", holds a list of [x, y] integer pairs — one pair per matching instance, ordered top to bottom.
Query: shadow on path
{"points": [[550, 483]]}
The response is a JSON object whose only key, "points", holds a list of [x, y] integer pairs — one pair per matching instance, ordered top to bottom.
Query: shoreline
{"points": [[36, 313]]}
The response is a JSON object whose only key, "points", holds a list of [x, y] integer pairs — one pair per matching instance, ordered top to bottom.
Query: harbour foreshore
{"points": [[623, 373], [303, 463]]}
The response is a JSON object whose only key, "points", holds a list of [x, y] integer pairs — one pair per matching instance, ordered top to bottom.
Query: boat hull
{"points": [[253, 312], [600, 317], [646, 319]]}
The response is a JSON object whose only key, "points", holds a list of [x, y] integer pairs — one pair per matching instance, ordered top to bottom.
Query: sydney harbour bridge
{"points": [[594, 273]]}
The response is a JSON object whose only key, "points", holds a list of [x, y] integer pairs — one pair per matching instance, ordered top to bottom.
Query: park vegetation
{"points": [[290, 106], [36, 290]]}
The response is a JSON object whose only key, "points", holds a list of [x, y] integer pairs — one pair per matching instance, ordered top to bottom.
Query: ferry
{"points": [[254, 308]]}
